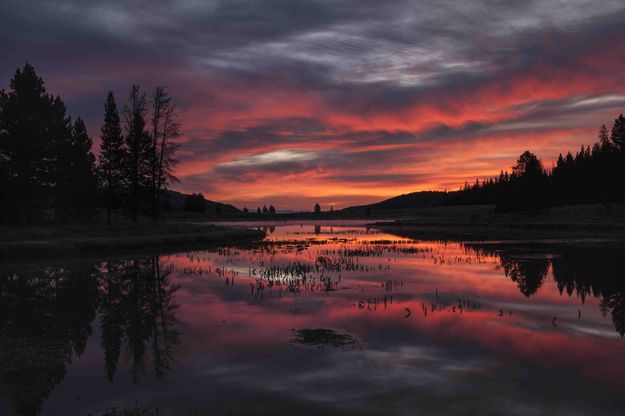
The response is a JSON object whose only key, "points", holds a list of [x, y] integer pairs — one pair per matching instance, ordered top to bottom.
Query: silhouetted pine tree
{"points": [[32, 123], [165, 129], [618, 134], [604, 138], [139, 144], [112, 157], [594, 174], [82, 183], [195, 203]]}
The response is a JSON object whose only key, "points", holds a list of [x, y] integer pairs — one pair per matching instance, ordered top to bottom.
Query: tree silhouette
{"points": [[34, 125], [165, 129], [618, 133], [604, 138], [112, 157], [46, 163], [138, 164], [592, 174], [77, 184], [528, 184], [195, 203], [317, 209], [529, 274], [138, 311]]}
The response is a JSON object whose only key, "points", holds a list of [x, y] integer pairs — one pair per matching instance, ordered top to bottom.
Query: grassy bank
{"points": [[481, 222], [50, 241]]}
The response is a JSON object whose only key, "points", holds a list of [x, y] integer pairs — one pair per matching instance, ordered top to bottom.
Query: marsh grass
{"points": [[324, 337]]}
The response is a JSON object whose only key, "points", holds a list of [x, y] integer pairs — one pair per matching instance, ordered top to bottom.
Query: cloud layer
{"points": [[291, 102]]}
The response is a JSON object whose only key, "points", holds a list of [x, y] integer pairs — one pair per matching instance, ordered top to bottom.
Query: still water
{"points": [[320, 319]]}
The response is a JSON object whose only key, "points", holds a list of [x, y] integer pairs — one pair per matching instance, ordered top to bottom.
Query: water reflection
{"points": [[582, 270], [137, 310], [46, 320], [208, 324]]}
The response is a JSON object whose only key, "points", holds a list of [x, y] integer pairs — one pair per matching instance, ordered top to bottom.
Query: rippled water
{"points": [[324, 320]]}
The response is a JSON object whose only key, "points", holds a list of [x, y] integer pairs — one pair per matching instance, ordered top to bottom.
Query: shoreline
{"points": [[477, 223], [508, 232], [33, 243]]}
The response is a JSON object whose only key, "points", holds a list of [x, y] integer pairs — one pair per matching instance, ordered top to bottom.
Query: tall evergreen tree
{"points": [[34, 125], [165, 129], [618, 133], [604, 138], [618, 139], [139, 144], [112, 156], [83, 178], [75, 181]]}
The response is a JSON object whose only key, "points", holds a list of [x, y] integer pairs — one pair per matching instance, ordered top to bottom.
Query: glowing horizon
{"points": [[341, 103]]}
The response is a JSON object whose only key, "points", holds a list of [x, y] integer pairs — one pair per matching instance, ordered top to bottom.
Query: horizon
{"points": [[340, 103]]}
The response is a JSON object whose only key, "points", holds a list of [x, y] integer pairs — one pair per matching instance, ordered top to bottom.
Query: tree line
{"points": [[47, 166], [595, 174]]}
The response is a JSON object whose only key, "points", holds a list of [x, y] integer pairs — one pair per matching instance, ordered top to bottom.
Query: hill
{"points": [[401, 202], [176, 203]]}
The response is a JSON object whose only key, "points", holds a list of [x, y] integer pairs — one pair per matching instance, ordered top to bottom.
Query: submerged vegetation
{"points": [[323, 337]]}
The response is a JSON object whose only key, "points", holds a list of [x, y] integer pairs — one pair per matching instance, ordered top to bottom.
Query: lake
{"points": [[320, 319]]}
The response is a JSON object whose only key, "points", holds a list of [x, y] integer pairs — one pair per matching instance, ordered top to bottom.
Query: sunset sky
{"points": [[290, 102]]}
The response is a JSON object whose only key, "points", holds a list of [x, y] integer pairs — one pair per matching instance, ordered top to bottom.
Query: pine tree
{"points": [[33, 123], [165, 129], [618, 133], [604, 139], [112, 156], [140, 156], [84, 179]]}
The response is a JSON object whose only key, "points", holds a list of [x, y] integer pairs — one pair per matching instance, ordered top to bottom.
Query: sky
{"points": [[341, 102]]}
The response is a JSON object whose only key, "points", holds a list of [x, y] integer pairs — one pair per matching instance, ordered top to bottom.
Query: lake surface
{"points": [[321, 319]]}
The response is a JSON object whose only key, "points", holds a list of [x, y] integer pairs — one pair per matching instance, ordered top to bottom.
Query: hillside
{"points": [[401, 202], [176, 203]]}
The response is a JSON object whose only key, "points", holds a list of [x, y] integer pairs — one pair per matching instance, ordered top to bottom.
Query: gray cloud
{"points": [[363, 58]]}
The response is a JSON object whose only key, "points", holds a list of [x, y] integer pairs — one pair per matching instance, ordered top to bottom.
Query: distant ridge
{"points": [[405, 201], [176, 203]]}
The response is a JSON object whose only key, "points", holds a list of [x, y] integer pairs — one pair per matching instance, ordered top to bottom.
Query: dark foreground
{"points": [[31, 243], [320, 319]]}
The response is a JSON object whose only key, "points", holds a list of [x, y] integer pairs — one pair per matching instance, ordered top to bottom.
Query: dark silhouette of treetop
{"points": [[527, 165]]}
